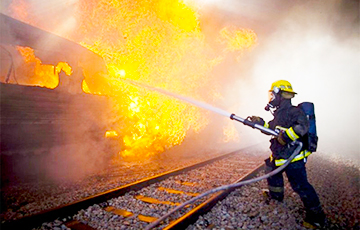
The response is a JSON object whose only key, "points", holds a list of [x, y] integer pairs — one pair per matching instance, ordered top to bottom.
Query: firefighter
{"points": [[293, 125]]}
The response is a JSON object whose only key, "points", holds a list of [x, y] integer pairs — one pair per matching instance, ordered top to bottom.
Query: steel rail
{"points": [[226, 187], [64, 211], [192, 216]]}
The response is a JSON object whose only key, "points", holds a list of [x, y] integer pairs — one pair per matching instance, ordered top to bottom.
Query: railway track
{"points": [[135, 205]]}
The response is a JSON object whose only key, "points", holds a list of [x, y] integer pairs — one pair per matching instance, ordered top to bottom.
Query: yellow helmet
{"points": [[282, 85]]}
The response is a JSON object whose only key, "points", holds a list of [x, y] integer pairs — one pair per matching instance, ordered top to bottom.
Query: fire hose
{"points": [[232, 117], [236, 185]]}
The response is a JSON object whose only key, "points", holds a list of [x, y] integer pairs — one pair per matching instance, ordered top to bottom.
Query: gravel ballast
{"points": [[336, 182]]}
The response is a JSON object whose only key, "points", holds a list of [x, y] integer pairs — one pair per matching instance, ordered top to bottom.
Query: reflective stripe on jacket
{"points": [[291, 133], [300, 156]]}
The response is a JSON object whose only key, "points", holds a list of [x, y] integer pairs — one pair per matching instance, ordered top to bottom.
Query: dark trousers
{"points": [[296, 174]]}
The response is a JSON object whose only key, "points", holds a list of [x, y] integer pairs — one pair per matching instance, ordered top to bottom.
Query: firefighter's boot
{"points": [[268, 196], [315, 218]]}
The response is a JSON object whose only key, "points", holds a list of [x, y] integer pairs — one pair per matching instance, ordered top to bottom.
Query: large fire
{"points": [[159, 43]]}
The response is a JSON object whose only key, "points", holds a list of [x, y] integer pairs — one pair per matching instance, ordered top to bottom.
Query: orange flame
{"points": [[159, 43], [38, 74]]}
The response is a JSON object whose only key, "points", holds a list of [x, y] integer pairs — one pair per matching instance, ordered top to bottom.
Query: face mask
{"points": [[274, 99]]}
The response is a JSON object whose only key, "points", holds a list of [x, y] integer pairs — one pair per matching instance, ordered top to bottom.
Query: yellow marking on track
{"points": [[186, 183], [178, 192], [154, 201], [109, 208], [119, 212], [122, 212], [147, 219], [76, 225]]}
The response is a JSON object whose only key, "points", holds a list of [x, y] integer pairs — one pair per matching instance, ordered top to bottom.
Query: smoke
{"points": [[312, 44]]}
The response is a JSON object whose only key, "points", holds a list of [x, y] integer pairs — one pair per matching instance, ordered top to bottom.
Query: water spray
{"points": [[207, 107]]}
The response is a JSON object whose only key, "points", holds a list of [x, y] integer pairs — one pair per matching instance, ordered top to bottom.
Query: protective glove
{"points": [[257, 120], [283, 138]]}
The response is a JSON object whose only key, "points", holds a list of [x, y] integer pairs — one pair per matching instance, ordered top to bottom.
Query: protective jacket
{"points": [[293, 121], [296, 125]]}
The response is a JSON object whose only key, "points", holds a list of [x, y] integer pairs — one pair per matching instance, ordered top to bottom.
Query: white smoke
{"points": [[315, 46]]}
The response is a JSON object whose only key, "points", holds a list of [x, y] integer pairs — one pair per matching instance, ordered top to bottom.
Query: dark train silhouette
{"points": [[37, 120]]}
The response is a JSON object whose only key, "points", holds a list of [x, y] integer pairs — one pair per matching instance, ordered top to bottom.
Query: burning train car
{"points": [[49, 112]]}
